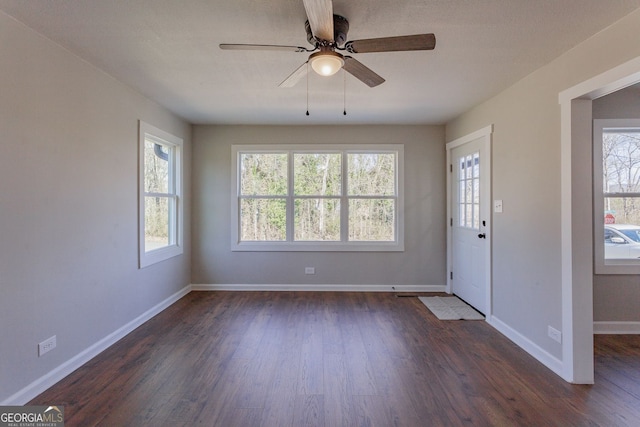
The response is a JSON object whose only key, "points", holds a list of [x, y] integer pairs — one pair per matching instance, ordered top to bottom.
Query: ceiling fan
{"points": [[327, 33]]}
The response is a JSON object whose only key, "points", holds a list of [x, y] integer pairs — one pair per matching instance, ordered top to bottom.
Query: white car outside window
{"points": [[621, 241]]}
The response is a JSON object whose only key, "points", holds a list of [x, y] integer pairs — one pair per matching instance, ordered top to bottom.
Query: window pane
{"points": [[621, 161], [476, 165], [156, 167], [263, 174], [317, 174], [372, 174], [469, 191], [476, 191], [622, 210], [476, 216], [263, 219], [317, 220], [371, 220], [469, 221], [156, 222], [622, 228]]}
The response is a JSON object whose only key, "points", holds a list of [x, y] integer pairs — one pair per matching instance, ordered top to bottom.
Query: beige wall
{"points": [[526, 175], [68, 206], [422, 263]]}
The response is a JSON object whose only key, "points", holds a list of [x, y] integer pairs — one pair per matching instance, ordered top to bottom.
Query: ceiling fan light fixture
{"points": [[326, 63]]}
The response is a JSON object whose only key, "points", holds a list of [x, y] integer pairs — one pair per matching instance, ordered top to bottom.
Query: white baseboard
{"points": [[320, 288], [616, 328], [527, 345], [43, 383]]}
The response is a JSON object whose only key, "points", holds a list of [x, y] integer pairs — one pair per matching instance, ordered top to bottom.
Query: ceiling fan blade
{"points": [[320, 15], [393, 44], [227, 46], [361, 72], [295, 77]]}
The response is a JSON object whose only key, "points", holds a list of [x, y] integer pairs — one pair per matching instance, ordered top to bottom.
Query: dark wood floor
{"points": [[335, 359]]}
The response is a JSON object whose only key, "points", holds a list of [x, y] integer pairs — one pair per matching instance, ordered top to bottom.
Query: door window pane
{"points": [[469, 191]]}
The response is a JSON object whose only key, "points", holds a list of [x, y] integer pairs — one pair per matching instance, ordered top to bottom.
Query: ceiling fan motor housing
{"points": [[340, 30]]}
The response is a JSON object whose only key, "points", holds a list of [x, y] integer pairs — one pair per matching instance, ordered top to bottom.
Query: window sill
{"points": [[317, 247], [158, 255], [618, 266]]}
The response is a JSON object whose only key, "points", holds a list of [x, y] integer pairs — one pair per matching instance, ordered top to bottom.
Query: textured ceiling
{"points": [[168, 51]]}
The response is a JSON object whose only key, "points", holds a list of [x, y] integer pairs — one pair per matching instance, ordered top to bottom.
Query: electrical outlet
{"points": [[309, 270], [554, 334], [46, 345]]}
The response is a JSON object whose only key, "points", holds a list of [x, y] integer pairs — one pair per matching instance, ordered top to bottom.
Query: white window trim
{"points": [[342, 246], [176, 247], [602, 265]]}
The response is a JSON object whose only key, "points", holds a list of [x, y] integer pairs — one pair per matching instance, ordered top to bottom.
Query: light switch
{"points": [[497, 206]]}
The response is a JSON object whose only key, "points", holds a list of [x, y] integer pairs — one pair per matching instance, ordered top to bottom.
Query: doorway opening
{"points": [[577, 216]]}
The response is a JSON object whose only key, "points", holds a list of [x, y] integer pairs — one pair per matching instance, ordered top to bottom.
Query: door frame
{"points": [[485, 134], [577, 215]]}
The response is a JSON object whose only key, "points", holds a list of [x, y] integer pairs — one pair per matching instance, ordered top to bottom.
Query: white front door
{"points": [[469, 227]]}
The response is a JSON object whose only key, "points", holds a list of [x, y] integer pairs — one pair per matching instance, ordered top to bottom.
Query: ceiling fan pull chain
{"points": [[307, 88], [344, 92]]}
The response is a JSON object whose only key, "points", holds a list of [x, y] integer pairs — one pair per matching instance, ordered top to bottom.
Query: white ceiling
{"points": [[168, 51]]}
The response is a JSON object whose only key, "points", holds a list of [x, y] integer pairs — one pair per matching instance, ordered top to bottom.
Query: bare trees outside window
{"points": [[621, 175], [616, 179], [160, 195], [321, 195]]}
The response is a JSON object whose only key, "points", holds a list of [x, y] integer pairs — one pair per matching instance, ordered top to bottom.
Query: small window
{"points": [[469, 191], [617, 196], [317, 198], [160, 215]]}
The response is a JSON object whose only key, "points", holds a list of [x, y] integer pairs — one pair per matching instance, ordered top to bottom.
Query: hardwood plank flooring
{"points": [[335, 359]]}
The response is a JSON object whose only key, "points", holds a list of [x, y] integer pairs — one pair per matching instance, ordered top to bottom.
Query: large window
{"points": [[617, 196], [317, 198], [160, 201]]}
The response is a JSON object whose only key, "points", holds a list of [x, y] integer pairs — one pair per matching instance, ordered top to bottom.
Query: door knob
{"points": [[482, 236]]}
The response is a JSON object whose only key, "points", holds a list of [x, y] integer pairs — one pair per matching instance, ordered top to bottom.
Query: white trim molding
{"points": [[576, 233], [318, 288], [616, 328], [526, 344], [43, 383]]}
